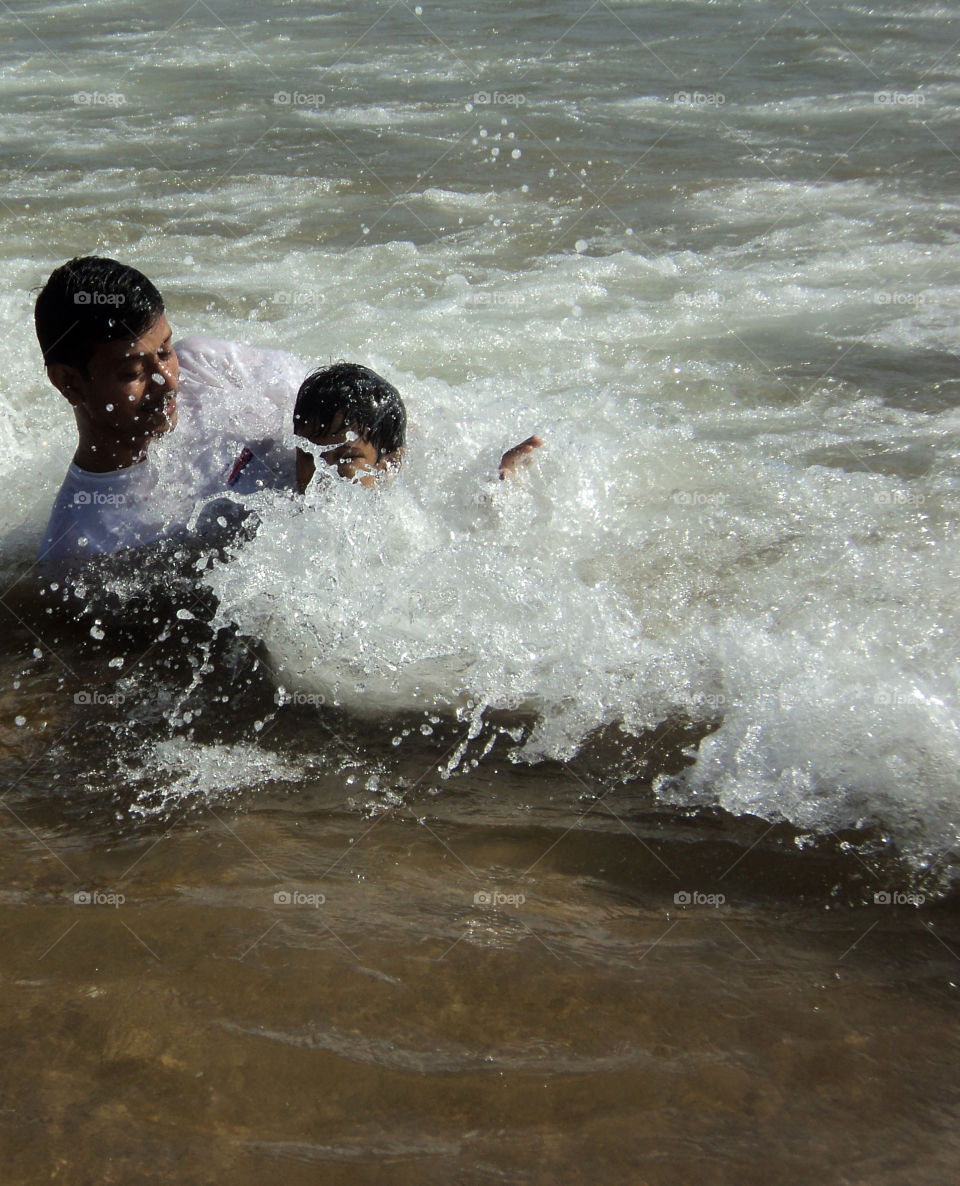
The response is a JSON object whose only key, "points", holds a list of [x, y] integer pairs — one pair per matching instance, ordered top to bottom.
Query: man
{"points": [[107, 347]]}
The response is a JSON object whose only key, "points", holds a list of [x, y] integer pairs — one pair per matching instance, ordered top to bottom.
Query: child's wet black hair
{"points": [[90, 300], [371, 406]]}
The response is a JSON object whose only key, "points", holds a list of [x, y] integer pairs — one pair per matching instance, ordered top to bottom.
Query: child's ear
{"points": [[67, 380], [391, 460]]}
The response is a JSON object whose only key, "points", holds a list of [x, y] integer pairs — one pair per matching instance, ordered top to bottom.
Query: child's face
{"points": [[353, 456]]}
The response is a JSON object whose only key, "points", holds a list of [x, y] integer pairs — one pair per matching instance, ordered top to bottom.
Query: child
{"points": [[355, 418], [358, 423]]}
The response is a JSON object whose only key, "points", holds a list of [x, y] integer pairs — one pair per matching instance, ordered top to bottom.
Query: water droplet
{"points": [[19, 721]]}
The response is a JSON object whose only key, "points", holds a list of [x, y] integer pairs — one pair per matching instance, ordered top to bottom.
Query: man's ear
{"points": [[67, 380]]}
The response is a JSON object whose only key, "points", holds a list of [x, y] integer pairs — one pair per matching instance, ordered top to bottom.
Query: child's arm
{"points": [[518, 455]]}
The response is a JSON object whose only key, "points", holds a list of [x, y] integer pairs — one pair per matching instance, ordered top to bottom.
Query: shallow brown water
{"points": [[272, 945], [202, 1031]]}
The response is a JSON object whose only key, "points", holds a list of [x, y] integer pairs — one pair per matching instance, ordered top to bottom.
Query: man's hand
{"points": [[518, 455]]}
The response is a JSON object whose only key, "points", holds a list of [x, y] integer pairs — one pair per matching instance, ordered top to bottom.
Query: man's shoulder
{"points": [[203, 344], [203, 348], [199, 352], [216, 364]]}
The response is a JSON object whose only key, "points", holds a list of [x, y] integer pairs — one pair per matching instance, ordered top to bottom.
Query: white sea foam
{"points": [[746, 509], [788, 574]]}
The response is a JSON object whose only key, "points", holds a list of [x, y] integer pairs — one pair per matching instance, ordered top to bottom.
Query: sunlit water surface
{"points": [[630, 788]]}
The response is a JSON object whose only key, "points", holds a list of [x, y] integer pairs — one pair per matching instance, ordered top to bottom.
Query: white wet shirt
{"points": [[229, 394], [99, 513]]}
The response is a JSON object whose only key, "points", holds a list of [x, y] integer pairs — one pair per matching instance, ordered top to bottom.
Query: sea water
{"points": [[707, 251], [597, 825]]}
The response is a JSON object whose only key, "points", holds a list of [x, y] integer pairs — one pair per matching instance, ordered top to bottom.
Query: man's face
{"points": [[130, 387], [351, 455]]}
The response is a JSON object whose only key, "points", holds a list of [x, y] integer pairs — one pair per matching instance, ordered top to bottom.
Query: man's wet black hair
{"points": [[90, 300], [371, 406]]}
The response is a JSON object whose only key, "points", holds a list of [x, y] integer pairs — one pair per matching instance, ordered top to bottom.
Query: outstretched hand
{"points": [[518, 455]]}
